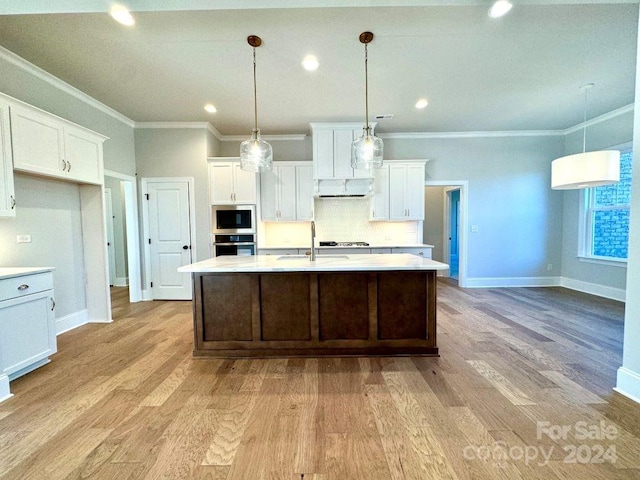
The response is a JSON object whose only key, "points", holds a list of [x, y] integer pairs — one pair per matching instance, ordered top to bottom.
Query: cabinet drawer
{"points": [[422, 252], [25, 285]]}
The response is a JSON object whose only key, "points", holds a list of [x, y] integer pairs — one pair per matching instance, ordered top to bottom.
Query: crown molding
{"points": [[54, 81], [602, 118], [203, 125], [508, 133], [295, 137]]}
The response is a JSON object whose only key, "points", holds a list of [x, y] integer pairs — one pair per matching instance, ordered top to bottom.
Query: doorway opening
{"points": [[121, 218], [445, 226]]}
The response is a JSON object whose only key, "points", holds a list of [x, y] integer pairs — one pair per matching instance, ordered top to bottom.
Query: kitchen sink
{"points": [[318, 257]]}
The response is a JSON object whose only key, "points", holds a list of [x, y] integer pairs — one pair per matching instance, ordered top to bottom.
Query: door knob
{"points": [[185, 247]]}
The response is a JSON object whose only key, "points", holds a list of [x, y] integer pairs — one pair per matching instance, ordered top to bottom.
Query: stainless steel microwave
{"points": [[233, 219]]}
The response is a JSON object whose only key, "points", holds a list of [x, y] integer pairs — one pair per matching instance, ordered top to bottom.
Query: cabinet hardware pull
{"points": [[69, 164], [64, 165], [13, 202], [24, 286], [53, 304]]}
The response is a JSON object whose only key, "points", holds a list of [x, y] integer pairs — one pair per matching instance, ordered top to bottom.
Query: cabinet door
{"points": [[342, 140], [37, 142], [323, 153], [83, 154], [221, 182], [244, 187], [287, 193], [304, 193], [414, 193], [7, 194], [268, 196], [380, 196], [397, 210], [422, 252], [27, 332]]}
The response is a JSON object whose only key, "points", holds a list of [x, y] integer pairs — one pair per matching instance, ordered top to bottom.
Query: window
{"points": [[607, 216]]}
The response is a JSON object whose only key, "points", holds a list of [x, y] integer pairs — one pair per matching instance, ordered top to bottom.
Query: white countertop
{"points": [[395, 245], [323, 263], [9, 272]]}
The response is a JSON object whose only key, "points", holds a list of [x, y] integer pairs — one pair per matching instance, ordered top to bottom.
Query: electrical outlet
{"points": [[475, 228], [23, 238], [549, 267]]}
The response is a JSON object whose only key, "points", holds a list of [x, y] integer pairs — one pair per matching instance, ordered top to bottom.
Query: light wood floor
{"points": [[127, 401]]}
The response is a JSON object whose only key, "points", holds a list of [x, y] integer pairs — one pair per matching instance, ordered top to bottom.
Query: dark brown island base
{"points": [[356, 305]]}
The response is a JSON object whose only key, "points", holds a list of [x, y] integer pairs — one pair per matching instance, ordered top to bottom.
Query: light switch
{"points": [[23, 238]]}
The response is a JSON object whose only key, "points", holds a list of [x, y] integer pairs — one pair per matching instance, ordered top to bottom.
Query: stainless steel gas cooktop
{"points": [[344, 244]]}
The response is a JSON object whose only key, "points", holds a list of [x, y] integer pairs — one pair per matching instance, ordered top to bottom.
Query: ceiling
{"points": [[519, 72]]}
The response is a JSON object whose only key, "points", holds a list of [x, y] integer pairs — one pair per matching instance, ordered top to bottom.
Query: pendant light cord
{"points": [[366, 87], [255, 92], [584, 130]]}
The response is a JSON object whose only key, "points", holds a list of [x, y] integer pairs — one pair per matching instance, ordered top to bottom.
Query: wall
{"points": [[603, 135], [283, 150], [182, 152], [48, 210], [517, 216]]}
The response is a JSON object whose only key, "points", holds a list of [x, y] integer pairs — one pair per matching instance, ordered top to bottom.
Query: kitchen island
{"points": [[261, 306]]}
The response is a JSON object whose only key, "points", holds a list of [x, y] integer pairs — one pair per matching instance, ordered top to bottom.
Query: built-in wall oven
{"points": [[233, 229]]}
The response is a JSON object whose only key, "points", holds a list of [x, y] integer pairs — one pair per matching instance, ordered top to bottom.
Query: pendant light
{"points": [[366, 151], [256, 155], [586, 169]]}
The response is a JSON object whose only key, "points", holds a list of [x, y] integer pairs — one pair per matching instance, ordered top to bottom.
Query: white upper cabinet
{"points": [[47, 145], [332, 150], [229, 184], [406, 191], [304, 192], [7, 193], [286, 193], [380, 195]]}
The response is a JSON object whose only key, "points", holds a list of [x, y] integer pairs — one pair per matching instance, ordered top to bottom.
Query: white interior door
{"points": [[169, 240], [111, 246]]}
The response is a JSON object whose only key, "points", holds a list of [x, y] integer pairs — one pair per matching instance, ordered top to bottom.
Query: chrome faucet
{"points": [[313, 241]]}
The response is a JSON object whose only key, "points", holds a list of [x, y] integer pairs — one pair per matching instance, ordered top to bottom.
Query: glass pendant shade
{"points": [[366, 151], [256, 155], [585, 170]]}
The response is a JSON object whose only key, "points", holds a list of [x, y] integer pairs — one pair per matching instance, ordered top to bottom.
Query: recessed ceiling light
{"points": [[500, 8], [121, 15], [310, 63], [422, 103], [210, 108]]}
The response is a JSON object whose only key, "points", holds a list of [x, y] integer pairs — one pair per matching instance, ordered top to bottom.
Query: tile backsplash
{"points": [[342, 220]]}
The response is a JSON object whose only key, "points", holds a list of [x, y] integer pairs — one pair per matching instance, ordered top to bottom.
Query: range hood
{"points": [[343, 187]]}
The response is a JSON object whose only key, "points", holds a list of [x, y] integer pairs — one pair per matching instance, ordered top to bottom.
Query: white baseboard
{"points": [[121, 282], [497, 282], [594, 289], [146, 295], [71, 321], [628, 384], [5, 393]]}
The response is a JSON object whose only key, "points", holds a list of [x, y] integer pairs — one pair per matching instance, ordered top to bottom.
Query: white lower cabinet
{"points": [[278, 251], [420, 251], [27, 325]]}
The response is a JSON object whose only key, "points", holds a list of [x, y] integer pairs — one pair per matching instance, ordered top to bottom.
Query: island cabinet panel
{"points": [[402, 305], [284, 306], [343, 306], [226, 308]]}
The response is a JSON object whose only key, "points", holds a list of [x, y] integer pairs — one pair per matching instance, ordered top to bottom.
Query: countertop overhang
{"points": [[323, 263], [10, 272]]}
